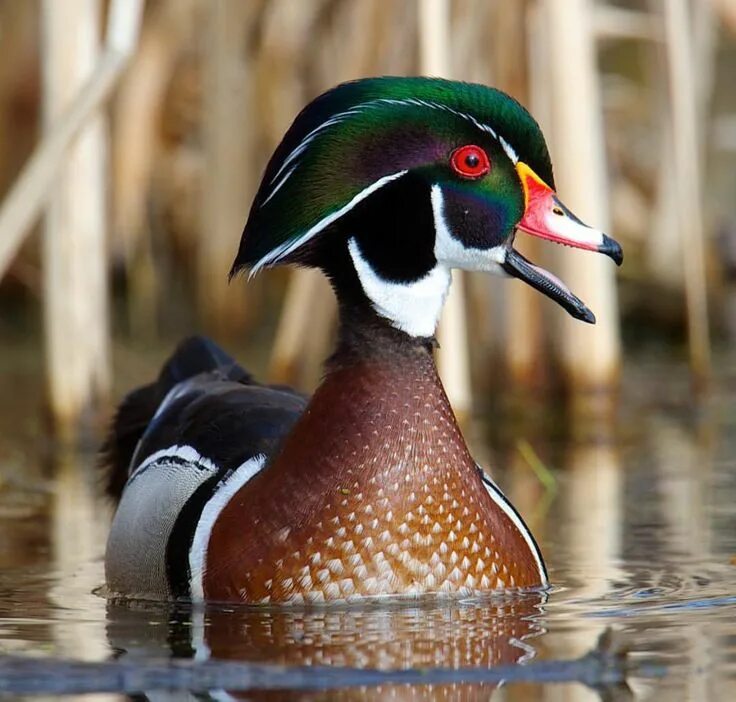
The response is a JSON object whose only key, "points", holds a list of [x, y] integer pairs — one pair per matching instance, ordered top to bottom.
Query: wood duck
{"points": [[231, 490]]}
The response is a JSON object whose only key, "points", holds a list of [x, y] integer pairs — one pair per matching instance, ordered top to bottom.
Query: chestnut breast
{"points": [[374, 493]]}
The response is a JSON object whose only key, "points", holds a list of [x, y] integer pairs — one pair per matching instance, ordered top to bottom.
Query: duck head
{"points": [[387, 184]]}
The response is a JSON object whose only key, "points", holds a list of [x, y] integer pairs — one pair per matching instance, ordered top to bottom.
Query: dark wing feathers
{"points": [[216, 407], [226, 422]]}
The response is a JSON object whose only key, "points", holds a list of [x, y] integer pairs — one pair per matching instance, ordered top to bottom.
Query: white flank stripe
{"points": [[288, 246], [412, 307], [500, 499], [198, 553], [197, 636], [202, 652], [529, 652]]}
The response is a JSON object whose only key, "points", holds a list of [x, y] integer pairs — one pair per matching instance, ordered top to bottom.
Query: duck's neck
{"points": [[364, 337], [380, 409]]}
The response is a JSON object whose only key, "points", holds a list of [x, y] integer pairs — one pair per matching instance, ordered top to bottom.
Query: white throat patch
{"points": [[452, 252], [412, 307], [415, 307]]}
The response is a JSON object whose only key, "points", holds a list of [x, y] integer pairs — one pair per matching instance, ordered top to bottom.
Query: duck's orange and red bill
{"points": [[547, 218]]}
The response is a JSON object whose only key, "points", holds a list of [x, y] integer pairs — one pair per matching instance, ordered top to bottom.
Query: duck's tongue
{"points": [[547, 218], [548, 284]]}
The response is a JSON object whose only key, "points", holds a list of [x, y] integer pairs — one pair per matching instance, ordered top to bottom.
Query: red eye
{"points": [[470, 161]]}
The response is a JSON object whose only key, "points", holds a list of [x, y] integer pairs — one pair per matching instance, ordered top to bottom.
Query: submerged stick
{"points": [[605, 666]]}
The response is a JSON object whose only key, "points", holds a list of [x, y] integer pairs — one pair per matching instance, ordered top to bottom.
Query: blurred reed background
{"points": [[126, 232]]}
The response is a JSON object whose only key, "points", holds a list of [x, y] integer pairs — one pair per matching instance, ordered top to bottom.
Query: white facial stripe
{"points": [[440, 106], [301, 147], [510, 151], [278, 186], [574, 232], [288, 246], [453, 253], [412, 307], [500, 499], [198, 552]]}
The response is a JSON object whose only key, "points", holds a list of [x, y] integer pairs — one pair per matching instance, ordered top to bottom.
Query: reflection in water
{"points": [[591, 505], [593, 510], [79, 525], [498, 630]]}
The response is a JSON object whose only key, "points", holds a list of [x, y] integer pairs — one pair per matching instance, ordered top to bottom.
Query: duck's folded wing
{"points": [[202, 398], [225, 422], [208, 435]]}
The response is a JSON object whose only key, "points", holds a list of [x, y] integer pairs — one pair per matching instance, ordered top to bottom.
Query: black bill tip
{"points": [[612, 249], [586, 315]]}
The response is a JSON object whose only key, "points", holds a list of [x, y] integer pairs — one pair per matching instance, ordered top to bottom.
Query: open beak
{"points": [[547, 218]]}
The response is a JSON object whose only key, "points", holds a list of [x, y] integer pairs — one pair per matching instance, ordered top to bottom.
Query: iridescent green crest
{"points": [[355, 138]]}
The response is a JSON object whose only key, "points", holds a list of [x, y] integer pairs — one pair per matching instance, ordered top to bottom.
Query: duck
{"points": [[232, 490]]}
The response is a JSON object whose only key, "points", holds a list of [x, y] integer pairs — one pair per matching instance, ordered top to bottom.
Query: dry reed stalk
{"points": [[611, 22], [473, 23], [288, 34], [434, 38], [77, 78], [19, 87], [137, 111], [137, 114], [19, 124], [687, 157], [228, 181], [29, 193], [663, 245], [662, 253], [75, 265], [304, 327], [524, 348], [453, 355], [590, 355]]}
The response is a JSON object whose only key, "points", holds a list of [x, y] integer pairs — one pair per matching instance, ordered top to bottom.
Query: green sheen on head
{"points": [[354, 139]]}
